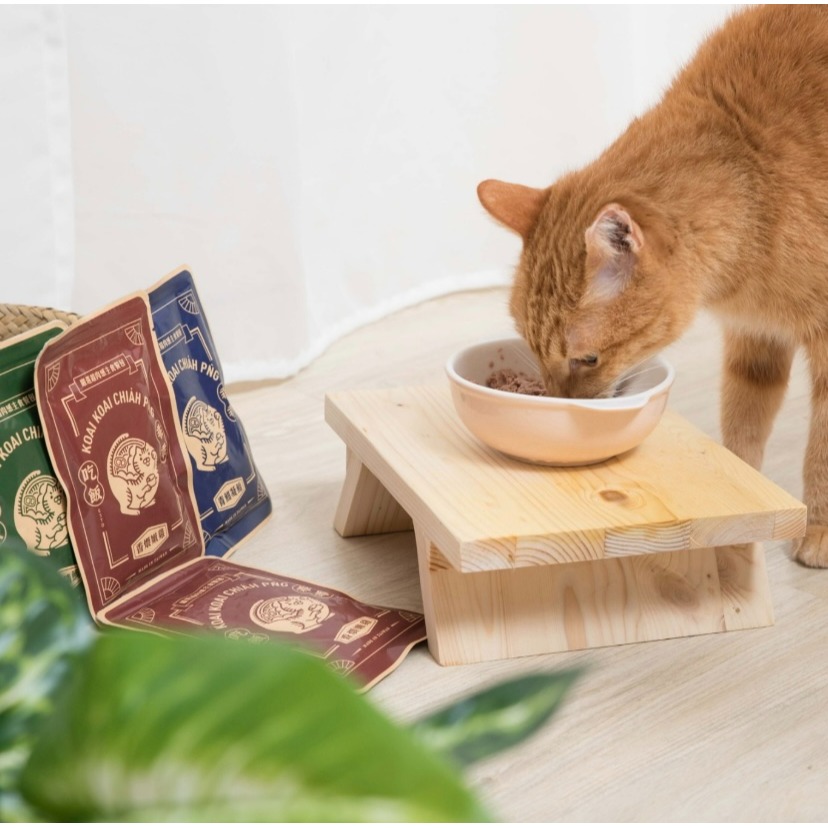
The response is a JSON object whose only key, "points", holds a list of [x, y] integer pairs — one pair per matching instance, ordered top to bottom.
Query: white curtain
{"points": [[315, 166], [36, 213]]}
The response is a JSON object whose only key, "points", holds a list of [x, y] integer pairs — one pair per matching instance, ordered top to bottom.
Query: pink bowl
{"points": [[553, 430]]}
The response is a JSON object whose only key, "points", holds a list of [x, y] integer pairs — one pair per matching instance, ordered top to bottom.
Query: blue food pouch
{"points": [[232, 498]]}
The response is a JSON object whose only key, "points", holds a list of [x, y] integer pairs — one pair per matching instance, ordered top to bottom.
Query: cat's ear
{"points": [[513, 205], [613, 242]]}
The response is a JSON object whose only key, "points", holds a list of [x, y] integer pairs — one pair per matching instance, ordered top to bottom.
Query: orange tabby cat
{"points": [[716, 197]]}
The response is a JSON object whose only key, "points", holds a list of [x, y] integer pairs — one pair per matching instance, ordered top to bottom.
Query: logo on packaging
{"points": [[204, 434], [132, 468], [93, 490], [229, 494], [40, 513], [150, 541], [290, 613], [358, 628]]}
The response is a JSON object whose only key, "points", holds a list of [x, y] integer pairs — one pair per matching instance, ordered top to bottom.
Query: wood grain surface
{"points": [[678, 490]]}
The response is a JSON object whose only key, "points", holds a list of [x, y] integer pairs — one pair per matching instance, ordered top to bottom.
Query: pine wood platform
{"points": [[517, 559], [726, 727]]}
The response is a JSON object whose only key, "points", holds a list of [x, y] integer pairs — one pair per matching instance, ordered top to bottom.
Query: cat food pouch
{"points": [[111, 427], [111, 430], [231, 495], [32, 503], [240, 602]]}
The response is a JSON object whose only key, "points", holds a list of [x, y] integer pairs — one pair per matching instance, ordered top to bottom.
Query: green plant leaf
{"points": [[44, 625], [496, 718], [207, 729]]}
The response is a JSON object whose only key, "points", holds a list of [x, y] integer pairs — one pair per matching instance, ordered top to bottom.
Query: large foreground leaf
{"points": [[43, 626], [496, 718], [187, 729]]}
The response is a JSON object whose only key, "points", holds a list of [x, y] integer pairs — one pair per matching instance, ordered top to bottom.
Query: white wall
{"points": [[315, 166]]}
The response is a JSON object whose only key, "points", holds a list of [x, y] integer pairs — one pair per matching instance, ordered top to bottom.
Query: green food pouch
{"points": [[32, 502]]}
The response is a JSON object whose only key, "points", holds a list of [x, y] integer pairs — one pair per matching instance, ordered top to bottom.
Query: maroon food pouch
{"points": [[111, 430], [214, 595]]}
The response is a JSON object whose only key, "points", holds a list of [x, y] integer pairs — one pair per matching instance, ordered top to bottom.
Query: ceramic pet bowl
{"points": [[553, 430]]}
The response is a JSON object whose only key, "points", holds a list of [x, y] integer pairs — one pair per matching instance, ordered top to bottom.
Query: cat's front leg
{"points": [[756, 373], [812, 550]]}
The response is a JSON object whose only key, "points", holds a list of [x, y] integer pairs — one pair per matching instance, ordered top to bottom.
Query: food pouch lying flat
{"points": [[110, 427], [231, 495], [32, 503], [244, 603]]}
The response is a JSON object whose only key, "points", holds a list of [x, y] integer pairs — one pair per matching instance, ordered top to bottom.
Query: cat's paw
{"points": [[812, 550]]}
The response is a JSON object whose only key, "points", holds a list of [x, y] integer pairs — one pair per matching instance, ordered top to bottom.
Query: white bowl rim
{"points": [[633, 402]]}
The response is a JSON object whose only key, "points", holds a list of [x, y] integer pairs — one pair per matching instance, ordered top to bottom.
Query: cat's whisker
{"points": [[527, 363], [633, 369], [626, 378], [617, 385]]}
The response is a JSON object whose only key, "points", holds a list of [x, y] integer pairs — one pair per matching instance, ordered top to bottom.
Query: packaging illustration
{"points": [[111, 431], [231, 495], [32, 503], [238, 602]]}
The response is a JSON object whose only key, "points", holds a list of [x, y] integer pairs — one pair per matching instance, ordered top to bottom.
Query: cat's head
{"points": [[593, 295]]}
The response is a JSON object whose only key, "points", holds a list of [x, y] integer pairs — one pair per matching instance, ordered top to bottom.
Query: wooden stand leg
{"points": [[365, 506], [429, 560], [743, 580], [500, 614]]}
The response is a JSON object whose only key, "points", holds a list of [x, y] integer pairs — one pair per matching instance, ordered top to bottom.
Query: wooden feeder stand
{"points": [[517, 559]]}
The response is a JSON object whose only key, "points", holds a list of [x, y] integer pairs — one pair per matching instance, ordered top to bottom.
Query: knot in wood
{"points": [[612, 495], [677, 591]]}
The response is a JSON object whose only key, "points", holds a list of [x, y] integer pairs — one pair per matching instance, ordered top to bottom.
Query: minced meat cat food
{"points": [[507, 379]]}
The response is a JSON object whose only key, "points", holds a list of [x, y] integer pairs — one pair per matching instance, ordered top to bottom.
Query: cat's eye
{"points": [[588, 361]]}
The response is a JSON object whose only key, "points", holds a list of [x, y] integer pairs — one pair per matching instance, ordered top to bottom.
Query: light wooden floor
{"points": [[725, 727]]}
